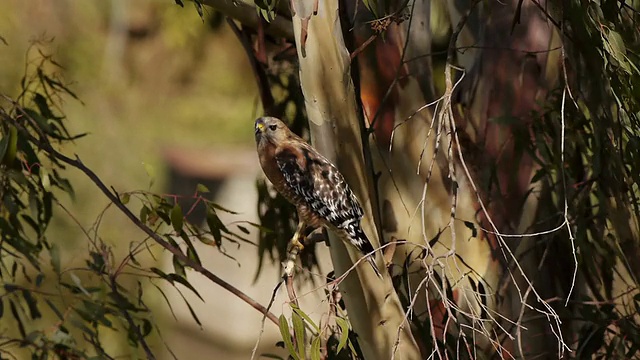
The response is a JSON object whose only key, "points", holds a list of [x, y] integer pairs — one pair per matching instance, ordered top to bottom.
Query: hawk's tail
{"points": [[359, 239]]}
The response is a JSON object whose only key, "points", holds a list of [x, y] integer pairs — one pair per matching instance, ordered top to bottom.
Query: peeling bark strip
{"points": [[304, 10], [374, 309]]}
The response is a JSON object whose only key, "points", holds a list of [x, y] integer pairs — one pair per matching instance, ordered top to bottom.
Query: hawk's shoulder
{"points": [[317, 183]]}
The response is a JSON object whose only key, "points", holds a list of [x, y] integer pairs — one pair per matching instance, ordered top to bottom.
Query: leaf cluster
{"points": [[586, 144], [61, 306]]}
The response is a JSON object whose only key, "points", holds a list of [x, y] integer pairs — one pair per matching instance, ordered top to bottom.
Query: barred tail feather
{"points": [[358, 239]]}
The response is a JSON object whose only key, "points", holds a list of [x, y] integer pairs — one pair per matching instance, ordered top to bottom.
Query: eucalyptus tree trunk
{"points": [[501, 80], [336, 128]]}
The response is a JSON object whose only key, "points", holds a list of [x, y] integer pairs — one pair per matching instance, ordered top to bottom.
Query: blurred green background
{"points": [[151, 76]]}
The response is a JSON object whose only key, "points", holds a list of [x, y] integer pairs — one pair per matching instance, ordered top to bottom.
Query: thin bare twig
{"points": [[264, 317]]}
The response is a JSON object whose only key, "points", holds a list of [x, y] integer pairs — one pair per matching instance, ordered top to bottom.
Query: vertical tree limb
{"points": [[374, 309]]}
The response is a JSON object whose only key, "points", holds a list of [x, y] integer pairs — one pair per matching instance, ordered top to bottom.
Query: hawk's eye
{"points": [[273, 127]]}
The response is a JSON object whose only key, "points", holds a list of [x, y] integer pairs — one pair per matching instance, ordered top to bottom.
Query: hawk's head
{"points": [[270, 129]]}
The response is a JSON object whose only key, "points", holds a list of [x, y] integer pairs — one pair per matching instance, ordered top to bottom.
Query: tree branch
{"points": [[246, 14], [268, 103], [46, 146]]}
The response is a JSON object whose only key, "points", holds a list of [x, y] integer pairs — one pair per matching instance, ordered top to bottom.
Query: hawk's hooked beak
{"points": [[259, 127]]}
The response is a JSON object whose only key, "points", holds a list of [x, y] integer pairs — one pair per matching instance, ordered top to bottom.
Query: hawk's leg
{"points": [[298, 236], [295, 246]]}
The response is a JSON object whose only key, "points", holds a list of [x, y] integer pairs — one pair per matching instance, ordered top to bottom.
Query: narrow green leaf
{"points": [[372, 5], [198, 6], [617, 45], [40, 120], [4, 145], [151, 172], [44, 178], [202, 189], [47, 205], [218, 207], [144, 214], [177, 218], [214, 224], [243, 229], [207, 241], [191, 250], [54, 252], [178, 266], [160, 273], [39, 279], [183, 281], [78, 283], [166, 299], [32, 304], [54, 309], [193, 313], [16, 316], [306, 317], [81, 325], [146, 327], [298, 330], [344, 336], [286, 337], [353, 349], [316, 354], [271, 356]]}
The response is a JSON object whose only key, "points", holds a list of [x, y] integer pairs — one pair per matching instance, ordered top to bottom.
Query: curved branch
{"points": [[246, 14], [113, 197]]}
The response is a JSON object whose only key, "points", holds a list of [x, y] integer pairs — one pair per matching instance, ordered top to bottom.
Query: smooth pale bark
{"points": [[512, 83], [404, 173], [374, 309]]}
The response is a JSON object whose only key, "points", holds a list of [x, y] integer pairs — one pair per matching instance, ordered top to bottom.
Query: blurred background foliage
{"points": [[149, 76]]}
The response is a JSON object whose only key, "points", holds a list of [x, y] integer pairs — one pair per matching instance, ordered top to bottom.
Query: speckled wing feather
{"points": [[317, 184]]}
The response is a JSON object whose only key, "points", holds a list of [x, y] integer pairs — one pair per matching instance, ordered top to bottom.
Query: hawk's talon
{"points": [[299, 235], [295, 243]]}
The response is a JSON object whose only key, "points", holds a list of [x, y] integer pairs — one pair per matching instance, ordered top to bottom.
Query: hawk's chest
{"points": [[270, 167]]}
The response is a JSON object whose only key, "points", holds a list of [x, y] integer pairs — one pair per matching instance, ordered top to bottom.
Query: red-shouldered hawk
{"points": [[311, 183]]}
